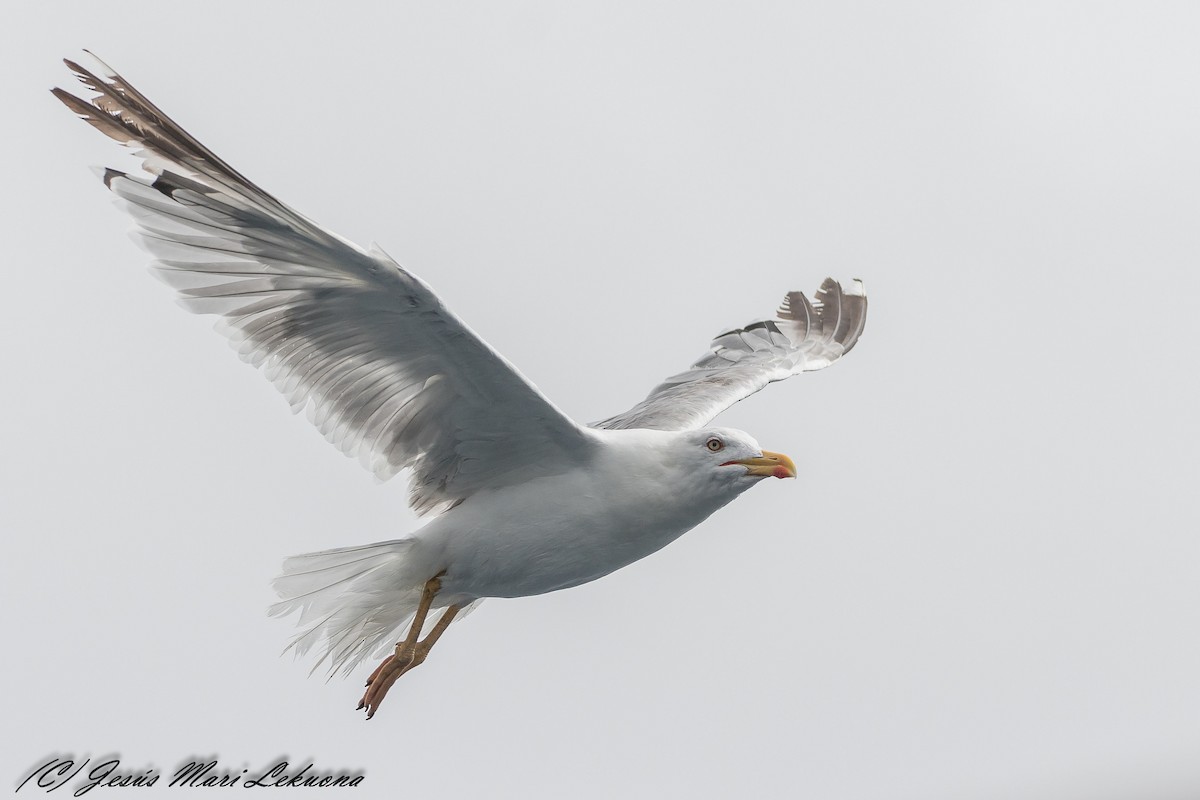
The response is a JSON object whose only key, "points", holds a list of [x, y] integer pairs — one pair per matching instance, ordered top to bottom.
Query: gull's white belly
{"points": [[557, 532]]}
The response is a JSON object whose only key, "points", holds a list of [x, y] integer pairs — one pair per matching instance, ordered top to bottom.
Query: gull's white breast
{"points": [[559, 531]]}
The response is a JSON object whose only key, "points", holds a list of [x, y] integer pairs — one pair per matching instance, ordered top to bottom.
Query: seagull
{"points": [[519, 498]]}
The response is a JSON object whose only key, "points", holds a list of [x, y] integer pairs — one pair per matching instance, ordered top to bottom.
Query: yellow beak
{"points": [[769, 465]]}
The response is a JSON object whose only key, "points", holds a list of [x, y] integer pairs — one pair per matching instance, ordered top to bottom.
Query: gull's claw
{"points": [[407, 657]]}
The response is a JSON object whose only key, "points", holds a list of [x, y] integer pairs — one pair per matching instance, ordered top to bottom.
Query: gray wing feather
{"points": [[802, 337], [387, 373]]}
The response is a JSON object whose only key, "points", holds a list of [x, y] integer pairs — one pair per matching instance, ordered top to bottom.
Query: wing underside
{"points": [[802, 336]]}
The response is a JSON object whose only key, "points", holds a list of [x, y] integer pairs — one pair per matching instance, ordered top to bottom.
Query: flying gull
{"points": [[520, 499]]}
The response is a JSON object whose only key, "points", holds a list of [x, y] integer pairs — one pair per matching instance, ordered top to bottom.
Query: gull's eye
{"points": [[714, 444]]}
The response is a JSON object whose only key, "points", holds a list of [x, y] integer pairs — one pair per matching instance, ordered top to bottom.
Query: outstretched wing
{"points": [[802, 337], [386, 372]]}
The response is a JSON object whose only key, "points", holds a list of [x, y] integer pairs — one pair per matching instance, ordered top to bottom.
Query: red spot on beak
{"points": [[782, 472]]}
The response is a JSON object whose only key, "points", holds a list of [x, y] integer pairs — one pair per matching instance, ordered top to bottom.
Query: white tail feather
{"points": [[353, 601]]}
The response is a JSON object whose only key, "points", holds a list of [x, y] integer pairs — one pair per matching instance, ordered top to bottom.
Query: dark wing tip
{"points": [[843, 312], [835, 314]]}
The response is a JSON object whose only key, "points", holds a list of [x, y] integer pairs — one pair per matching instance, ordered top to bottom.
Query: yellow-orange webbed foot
{"points": [[406, 657]]}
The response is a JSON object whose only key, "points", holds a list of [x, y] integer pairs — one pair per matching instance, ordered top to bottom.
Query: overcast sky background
{"points": [[986, 583]]}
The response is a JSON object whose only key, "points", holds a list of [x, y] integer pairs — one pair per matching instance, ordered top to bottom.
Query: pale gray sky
{"points": [[986, 583]]}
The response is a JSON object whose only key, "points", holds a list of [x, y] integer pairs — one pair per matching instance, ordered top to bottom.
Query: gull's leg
{"points": [[430, 590], [430, 640], [410, 653], [377, 687]]}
